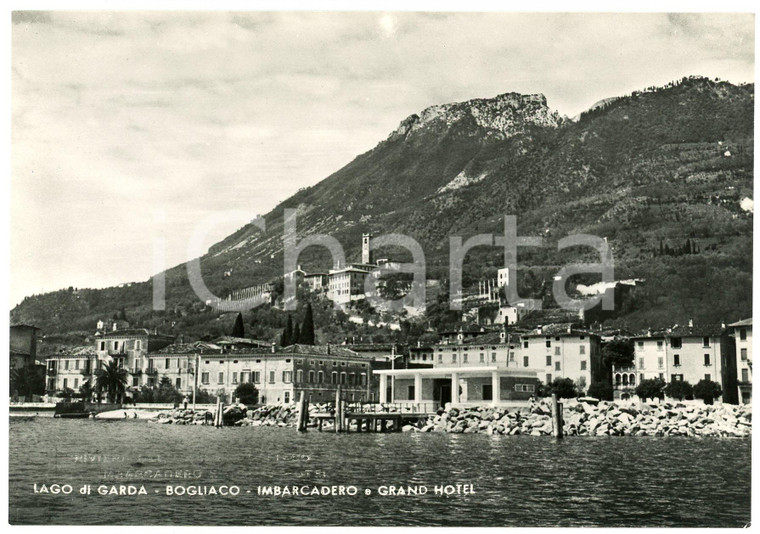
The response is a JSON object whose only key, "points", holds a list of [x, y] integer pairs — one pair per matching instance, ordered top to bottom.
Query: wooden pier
{"points": [[366, 417]]}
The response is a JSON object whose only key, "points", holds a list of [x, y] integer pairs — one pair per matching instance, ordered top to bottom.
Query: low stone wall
{"points": [[590, 418]]}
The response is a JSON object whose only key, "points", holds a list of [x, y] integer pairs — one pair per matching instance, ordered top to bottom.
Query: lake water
{"points": [[518, 480]]}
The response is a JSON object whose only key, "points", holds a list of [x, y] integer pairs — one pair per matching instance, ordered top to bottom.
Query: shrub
{"points": [[564, 388], [650, 389], [679, 389], [600, 390], [707, 390], [247, 394]]}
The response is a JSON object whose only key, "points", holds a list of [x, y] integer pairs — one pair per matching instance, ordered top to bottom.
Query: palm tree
{"points": [[113, 379]]}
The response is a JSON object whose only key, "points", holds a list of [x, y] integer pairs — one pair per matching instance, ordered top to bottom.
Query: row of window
{"points": [[675, 343], [121, 345], [466, 358], [707, 360], [317, 377]]}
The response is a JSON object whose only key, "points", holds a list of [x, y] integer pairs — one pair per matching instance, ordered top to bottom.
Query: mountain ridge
{"points": [[641, 169]]}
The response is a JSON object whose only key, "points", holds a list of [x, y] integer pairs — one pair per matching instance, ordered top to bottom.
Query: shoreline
{"points": [[581, 418]]}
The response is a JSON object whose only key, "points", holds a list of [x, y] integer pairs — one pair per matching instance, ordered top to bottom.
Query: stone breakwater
{"points": [[236, 415], [581, 418], [592, 419]]}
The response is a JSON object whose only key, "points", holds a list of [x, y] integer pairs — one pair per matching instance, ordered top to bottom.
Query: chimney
{"points": [[691, 323], [115, 326], [722, 326], [540, 329], [569, 329], [419, 343], [273, 348], [328, 349]]}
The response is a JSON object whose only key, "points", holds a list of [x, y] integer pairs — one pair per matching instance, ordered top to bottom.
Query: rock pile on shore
{"points": [[179, 416], [596, 419]]}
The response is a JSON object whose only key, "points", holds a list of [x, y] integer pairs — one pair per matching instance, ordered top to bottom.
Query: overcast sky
{"points": [[117, 116]]}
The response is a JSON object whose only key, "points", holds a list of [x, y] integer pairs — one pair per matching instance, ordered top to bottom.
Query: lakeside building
{"points": [[736, 344], [23, 346], [128, 348], [562, 351], [687, 353], [421, 354], [469, 367], [71, 368], [471, 372], [279, 374]]}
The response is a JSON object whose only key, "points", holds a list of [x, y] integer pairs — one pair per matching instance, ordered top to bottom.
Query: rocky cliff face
{"points": [[503, 117]]}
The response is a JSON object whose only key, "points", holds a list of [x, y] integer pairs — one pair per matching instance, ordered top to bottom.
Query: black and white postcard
{"points": [[380, 268]]}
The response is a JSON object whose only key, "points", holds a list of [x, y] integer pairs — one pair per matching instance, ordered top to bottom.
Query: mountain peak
{"points": [[505, 115]]}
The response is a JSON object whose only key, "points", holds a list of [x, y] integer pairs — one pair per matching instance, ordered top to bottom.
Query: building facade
{"points": [[23, 346], [561, 351], [688, 354], [737, 362], [280, 375]]}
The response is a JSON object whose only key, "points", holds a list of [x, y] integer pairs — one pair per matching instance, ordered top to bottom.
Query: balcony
{"points": [[52, 371], [151, 371], [85, 372], [135, 372]]}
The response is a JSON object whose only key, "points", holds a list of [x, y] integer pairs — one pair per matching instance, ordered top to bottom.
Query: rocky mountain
{"points": [[649, 171]]}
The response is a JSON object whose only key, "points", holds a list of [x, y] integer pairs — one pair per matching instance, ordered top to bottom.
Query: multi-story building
{"points": [[317, 282], [347, 284], [23, 346], [128, 348], [561, 351], [685, 353], [421, 354], [737, 362], [71, 369], [467, 370], [280, 375]]}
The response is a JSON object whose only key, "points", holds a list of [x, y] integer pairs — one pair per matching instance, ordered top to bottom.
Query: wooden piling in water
{"points": [[338, 412], [303, 413], [557, 421]]}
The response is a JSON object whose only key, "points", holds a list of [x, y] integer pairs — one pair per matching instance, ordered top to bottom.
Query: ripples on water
{"points": [[519, 480]]}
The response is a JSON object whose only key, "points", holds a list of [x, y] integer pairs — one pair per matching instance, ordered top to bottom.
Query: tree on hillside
{"points": [[307, 328], [239, 329], [296, 333], [287, 335], [113, 380], [650, 389]]}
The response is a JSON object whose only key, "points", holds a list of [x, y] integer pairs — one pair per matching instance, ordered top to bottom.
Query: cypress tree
{"points": [[238, 330], [307, 330], [296, 333], [287, 334]]}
